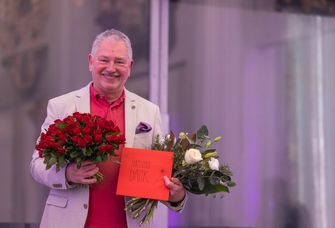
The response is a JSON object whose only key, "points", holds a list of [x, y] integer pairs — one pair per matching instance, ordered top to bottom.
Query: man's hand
{"points": [[83, 175], [177, 191]]}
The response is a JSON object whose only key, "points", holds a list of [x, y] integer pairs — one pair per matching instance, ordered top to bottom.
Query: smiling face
{"points": [[110, 66]]}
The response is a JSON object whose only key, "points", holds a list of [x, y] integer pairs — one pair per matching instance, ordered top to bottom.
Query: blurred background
{"points": [[259, 73]]}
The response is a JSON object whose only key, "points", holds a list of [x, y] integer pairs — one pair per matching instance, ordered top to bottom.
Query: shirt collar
{"points": [[100, 98]]}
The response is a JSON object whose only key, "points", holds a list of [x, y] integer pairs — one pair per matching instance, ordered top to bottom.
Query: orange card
{"points": [[141, 173]]}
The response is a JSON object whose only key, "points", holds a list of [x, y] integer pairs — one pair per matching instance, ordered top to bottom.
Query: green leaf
{"points": [[61, 125], [202, 133], [84, 150], [89, 151], [74, 154], [104, 157], [98, 159], [61, 161], [50, 162], [78, 162], [48, 166], [210, 189]]}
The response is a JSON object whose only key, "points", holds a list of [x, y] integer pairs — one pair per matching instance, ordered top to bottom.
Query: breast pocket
{"points": [[143, 140], [56, 200]]}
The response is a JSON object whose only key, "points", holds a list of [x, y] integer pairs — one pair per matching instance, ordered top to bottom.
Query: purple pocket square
{"points": [[143, 127]]}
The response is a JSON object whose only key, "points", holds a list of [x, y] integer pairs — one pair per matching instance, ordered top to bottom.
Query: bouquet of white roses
{"points": [[195, 164]]}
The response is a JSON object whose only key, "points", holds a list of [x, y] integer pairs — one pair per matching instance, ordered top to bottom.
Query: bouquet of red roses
{"points": [[78, 138]]}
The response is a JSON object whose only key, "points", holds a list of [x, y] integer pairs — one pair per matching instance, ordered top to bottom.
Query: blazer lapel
{"points": [[82, 100], [130, 118]]}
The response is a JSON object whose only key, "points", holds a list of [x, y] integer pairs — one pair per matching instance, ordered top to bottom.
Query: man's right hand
{"points": [[83, 175]]}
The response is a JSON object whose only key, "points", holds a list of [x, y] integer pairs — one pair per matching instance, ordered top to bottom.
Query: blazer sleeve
{"points": [[157, 130], [50, 177], [177, 207]]}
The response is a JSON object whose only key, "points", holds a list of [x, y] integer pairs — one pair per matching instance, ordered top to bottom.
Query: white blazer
{"points": [[68, 207]]}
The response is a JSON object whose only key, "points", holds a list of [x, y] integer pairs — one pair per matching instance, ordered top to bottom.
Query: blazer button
{"points": [[85, 205]]}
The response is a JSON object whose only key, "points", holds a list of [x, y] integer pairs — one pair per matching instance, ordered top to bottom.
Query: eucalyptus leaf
{"points": [[213, 179], [189, 183], [201, 183], [231, 184]]}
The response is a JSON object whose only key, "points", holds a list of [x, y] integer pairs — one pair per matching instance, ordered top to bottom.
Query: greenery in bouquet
{"points": [[77, 138], [196, 164]]}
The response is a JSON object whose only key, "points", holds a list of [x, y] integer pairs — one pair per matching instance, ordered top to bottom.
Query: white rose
{"points": [[192, 156], [214, 164]]}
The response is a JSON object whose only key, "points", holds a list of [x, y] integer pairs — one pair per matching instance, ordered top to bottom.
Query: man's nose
{"points": [[111, 66]]}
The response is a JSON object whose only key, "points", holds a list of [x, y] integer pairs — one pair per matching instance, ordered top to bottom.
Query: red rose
{"points": [[101, 123], [90, 124], [76, 130], [86, 130], [61, 138], [97, 138], [110, 138], [75, 139], [88, 139], [120, 139], [81, 143], [105, 148], [108, 148], [101, 149], [61, 151]]}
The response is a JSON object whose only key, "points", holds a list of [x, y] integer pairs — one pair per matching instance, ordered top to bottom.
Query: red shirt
{"points": [[106, 209]]}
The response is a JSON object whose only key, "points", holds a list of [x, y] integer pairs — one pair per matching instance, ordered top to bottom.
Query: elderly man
{"points": [[97, 205]]}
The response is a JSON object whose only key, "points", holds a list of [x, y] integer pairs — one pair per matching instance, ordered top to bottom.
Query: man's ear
{"points": [[90, 60], [131, 64]]}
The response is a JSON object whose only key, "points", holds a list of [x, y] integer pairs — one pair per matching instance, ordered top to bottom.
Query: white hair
{"points": [[116, 35]]}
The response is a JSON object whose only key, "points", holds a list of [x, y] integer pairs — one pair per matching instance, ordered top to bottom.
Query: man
{"points": [[68, 203]]}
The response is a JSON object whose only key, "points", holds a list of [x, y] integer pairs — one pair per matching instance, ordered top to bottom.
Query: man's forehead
{"points": [[113, 42], [108, 49]]}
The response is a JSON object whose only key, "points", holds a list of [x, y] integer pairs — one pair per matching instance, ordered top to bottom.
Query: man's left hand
{"points": [[177, 191]]}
